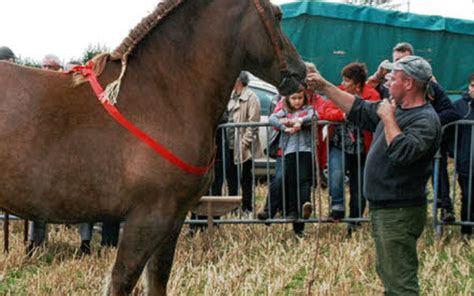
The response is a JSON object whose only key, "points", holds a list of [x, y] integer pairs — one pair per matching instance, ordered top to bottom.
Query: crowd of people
{"points": [[384, 132]]}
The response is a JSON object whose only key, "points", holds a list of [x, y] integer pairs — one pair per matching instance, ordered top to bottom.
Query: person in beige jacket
{"points": [[244, 144]]}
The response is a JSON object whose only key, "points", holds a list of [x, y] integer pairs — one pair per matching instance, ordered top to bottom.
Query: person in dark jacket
{"points": [[446, 112], [407, 134], [464, 160]]}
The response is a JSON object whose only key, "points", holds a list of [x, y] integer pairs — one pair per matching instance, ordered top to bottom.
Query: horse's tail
{"points": [[99, 61]]}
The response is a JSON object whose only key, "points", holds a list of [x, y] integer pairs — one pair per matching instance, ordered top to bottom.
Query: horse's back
{"points": [[50, 140]]}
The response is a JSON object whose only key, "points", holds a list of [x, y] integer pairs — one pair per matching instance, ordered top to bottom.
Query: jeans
{"points": [[245, 180], [336, 181], [274, 202], [466, 213], [37, 232], [110, 232], [396, 232]]}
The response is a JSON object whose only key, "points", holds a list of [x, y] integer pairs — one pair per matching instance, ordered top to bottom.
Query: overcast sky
{"points": [[33, 28]]}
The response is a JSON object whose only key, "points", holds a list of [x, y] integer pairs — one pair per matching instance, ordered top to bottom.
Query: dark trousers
{"points": [[298, 176], [245, 180], [297, 182], [444, 201], [274, 202], [466, 213], [396, 232], [110, 233]]}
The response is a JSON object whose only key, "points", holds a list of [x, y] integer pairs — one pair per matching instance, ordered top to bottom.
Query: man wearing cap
{"points": [[6, 54], [446, 112], [407, 134]]}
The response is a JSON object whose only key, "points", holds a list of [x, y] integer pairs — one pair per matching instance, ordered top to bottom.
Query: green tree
{"points": [[92, 50], [27, 62]]}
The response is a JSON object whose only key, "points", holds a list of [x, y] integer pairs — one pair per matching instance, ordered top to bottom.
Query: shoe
{"points": [[323, 179], [307, 210], [247, 215], [336, 215], [263, 216], [447, 216], [351, 228], [33, 246], [85, 248]]}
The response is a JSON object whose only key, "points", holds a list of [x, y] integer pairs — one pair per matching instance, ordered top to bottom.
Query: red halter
{"points": [[87, 72]]}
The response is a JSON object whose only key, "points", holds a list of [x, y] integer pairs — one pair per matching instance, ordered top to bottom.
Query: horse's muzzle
{"points": [[290, 83]]}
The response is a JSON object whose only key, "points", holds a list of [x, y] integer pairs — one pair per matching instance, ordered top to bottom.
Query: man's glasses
{"points": [[50, 66]]}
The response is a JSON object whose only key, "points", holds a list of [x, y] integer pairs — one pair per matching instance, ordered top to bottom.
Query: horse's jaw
{"points": [[291, 83]]}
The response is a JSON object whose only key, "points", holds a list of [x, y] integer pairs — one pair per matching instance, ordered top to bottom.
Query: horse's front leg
{"points": [[145, 228], [159, 265]]}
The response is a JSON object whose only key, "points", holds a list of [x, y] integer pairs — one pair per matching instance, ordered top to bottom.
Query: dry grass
{"points": [[242, 260]]}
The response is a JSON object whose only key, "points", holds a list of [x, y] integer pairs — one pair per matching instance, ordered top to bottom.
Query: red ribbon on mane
{"points": [[87, 72]]}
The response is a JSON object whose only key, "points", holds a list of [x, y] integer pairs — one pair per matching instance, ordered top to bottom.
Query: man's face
{"points": [[396, 55], [50, 65], [397, 84], [471, 89]]}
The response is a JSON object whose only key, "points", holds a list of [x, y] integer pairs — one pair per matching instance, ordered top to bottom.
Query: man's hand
{"points": [[381, 70], [316, 82], [387, 110]]}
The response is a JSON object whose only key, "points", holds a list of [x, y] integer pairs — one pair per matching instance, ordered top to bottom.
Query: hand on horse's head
{"points": [[316, 82]]}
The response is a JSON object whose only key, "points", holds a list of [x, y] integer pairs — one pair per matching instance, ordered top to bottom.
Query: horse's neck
{"points": [[193, 64]]}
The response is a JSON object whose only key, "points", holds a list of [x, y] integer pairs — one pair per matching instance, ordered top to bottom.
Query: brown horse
{"points": [[64, 159]]}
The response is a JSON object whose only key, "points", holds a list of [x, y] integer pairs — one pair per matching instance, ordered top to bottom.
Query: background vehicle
{"points": [[265, 93]]}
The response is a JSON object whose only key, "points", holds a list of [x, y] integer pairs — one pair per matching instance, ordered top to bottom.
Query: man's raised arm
{"points": [[341, 98]]}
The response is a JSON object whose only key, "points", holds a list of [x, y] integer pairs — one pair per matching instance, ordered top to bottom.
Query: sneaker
{"points": [[307, 210], [336, 215], [447, 216], [85, 248]]}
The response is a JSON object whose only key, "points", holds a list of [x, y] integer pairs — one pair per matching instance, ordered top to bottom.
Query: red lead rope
{"points": [[87, 72]]}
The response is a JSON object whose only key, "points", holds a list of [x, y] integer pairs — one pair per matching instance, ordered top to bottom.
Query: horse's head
{"points": [[269, 53]]}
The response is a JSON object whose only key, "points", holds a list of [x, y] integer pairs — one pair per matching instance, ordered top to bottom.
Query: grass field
{"points": [[242, 260]]}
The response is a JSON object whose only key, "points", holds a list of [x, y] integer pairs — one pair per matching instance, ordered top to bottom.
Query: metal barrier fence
{"points": [[320, 130], [459, 144], [274, 170]]}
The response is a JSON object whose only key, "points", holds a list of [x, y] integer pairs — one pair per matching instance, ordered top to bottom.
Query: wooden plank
{"points": [[217, 205]]}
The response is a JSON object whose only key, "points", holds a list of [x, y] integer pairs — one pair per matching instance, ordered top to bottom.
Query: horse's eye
{"points": [[279, 16]]}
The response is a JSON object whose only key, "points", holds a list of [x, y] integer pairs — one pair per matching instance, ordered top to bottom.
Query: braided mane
{"points": [[143, 28], [137, 34]]}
